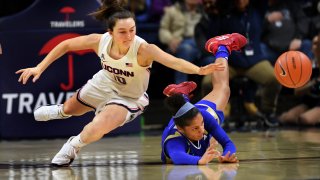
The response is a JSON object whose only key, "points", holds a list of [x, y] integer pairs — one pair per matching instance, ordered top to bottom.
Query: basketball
{"points": [[293, 69]]}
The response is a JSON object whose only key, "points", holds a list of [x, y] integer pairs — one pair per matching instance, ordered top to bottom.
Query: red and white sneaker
{"points": [[233, 42], [183, 88]]}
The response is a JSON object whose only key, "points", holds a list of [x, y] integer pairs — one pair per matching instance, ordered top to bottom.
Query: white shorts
{"points": [[97, 97]]}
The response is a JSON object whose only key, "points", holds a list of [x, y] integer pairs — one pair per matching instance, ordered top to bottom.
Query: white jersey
{"points": [[127, 77]]}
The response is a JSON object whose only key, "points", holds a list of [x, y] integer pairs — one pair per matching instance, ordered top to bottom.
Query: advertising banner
{"points": [[25, 39]]}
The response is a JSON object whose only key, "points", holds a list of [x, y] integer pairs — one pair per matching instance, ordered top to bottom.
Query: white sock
{"points": [[61, 111], [77, 142]]}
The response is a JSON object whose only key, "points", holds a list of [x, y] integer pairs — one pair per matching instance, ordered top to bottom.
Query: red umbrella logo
{"points": [[67, 10], [54, 42]]}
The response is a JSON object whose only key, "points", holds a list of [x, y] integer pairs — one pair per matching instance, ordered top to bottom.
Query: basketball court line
{"points": [[279, 159], [156, 163], [30, 165]]}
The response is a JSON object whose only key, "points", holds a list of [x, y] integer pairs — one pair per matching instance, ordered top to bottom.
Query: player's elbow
{"points": [[64, 46]]}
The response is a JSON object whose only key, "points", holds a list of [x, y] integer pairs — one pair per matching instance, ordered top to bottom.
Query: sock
{"points": [[222, 52], [61, 111], [77, 142]]}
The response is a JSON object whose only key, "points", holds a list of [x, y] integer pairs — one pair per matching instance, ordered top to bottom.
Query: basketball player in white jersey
{"points": [[117, 93]]}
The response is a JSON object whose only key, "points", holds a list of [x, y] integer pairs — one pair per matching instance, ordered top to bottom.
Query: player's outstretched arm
{"points": [[79, 43], [151, 52]]}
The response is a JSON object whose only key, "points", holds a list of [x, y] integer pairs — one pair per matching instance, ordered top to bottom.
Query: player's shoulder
{"points": [[94, 37], [148, 47], [172, 131], [174, 136]]}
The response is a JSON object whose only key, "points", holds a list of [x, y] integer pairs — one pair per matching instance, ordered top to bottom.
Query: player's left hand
{"points": [[208, 69], [27, 73], [228, 158]]}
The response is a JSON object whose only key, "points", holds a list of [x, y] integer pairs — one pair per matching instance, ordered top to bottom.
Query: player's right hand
{"points": [[208, 69], [27, 73], [209, 155]]}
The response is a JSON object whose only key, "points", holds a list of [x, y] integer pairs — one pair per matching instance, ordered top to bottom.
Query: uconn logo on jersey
{"points": [[117, 73]]}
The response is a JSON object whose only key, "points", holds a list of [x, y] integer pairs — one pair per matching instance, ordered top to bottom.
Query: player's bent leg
{"points": [[221, 47], [221, 92], [72, 107], [75, 108], [107, 120]]}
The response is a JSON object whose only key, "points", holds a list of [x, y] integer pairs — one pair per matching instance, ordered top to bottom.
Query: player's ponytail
{"points": [[110, 11], [182, 111]]}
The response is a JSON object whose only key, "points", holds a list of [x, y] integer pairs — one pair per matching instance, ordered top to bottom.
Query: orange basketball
{"points": [[293, 69]]}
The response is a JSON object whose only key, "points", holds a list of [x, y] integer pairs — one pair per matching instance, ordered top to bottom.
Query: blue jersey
{"points": [[182, 150]]}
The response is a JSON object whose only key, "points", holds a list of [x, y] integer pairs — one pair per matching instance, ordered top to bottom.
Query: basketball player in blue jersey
{"points": [[117, 93], [187, 138]]}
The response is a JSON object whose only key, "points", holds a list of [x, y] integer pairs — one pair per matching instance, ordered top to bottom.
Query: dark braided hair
{"points": [[111, 11], [174, 103]]}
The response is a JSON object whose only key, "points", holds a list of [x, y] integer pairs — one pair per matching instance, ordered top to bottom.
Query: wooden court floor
{"points": [[273, 154]]}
